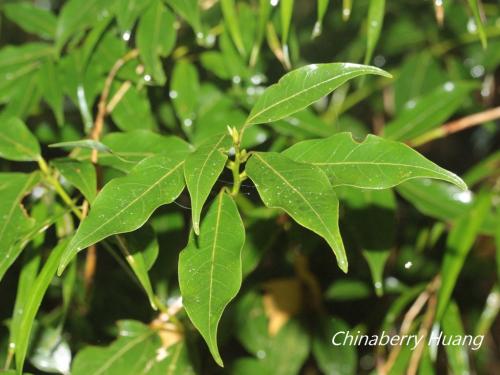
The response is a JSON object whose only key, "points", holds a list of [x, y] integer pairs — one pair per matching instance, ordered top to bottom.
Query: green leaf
{"points": [[322, 6], [474, 6], [346, 9], [190, 11], [127, 12], [264, 12], [286, 12], [76, 16], [32, 18], [375, 21], [232, 23], [155, 38], [301, 87], [52, 91], [184, 92], [133, 111], [428, 112], [16, 141], [84, 143], [131, 147], [375, 163], [202, 169], [80, 174], [303, 191], [442, 201], [125, 204], [14, 222], [458, 245], [210, 269], [347, 290], [32, 305], [457, 355], [331, 359]]}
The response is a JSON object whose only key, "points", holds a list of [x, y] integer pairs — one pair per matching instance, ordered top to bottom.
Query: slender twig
{"points": [[457, 126]]}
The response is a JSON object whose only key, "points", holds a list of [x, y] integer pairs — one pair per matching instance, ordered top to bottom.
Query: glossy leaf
{"points": [[322, 6], [474, 6], [346, 9], [286, 12], [32, 18], [375, 20], [232, 23], [155, 38], [302, 87], [184, 92], [133, 111], [428, 112], [16, 141], [84, 143], [375, 163], [202, 169], [80, 174], [301, 190], [125, 204], [14, 222], [459, 243], [210, 269], [32, 305], [457, 355]]}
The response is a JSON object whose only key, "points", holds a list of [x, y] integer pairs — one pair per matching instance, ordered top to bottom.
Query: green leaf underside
{"points": [[302, 87], [16, 141], [375, 163], [201, 170], [80, 174], [303, 191], [126, 203], [13, 221], [210, 269], [32, 305]]}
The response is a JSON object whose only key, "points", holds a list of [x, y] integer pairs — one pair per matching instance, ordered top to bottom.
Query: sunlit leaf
{"points": [[375, 20]]}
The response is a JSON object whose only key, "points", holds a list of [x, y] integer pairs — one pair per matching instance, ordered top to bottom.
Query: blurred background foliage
{"points": [[200, 67]]}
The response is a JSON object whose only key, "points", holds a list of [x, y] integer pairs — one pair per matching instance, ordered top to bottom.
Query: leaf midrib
{"points": [[302, 197], [131, 203]]}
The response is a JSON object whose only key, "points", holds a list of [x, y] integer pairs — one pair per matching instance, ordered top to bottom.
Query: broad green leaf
{"points": [[322, 6], [474, 6], [190, 11], [127, 12], [76, 16], [32, 18], [375, 20], [232, 24], [155, 38], [301, 87], [51, 88], [184, 91], [133, 111], [428, 112], [16, 141], [84, 143], [131, 147], [375, 163], [202, 169], [80, 174], [303, 191], [442, 201], [125, 204], [14, 222], [458, 245], [210, 269], [32, 305], [457, 355], [331, 359]]}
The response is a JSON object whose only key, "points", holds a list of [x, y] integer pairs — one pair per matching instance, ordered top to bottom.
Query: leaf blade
{"points": [[17, 143]]}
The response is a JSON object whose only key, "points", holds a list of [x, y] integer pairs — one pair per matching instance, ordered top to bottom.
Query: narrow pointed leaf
{"points": [[474, 5], [322, 6], [346, 9], [190, 11], [286, 12], [32, 18], [375, 20], [232, 23], [156, 38], [302, 87], [52, 91], [184, 92], [429, 111], [17, 142], [84, 143], [375, 163], [201, 170], [80, 174], [303, 191], [126, 203], [14, 223], [210, 269], [32, 305], [458, 356]]}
